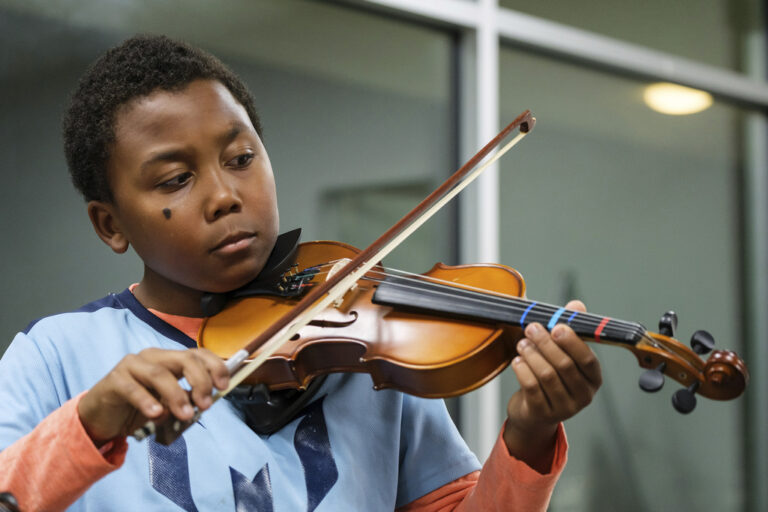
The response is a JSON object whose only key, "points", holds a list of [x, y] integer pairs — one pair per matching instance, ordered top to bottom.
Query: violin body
{"points": [[427, 356]]}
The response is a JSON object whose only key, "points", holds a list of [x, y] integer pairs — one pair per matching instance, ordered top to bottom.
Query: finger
{"points": [[576, 305], [578, 351], [194, 366], [216, 368], [160, 373], [545, 373], [198, 378], [576, 383], [529, 384], [134, 393]]}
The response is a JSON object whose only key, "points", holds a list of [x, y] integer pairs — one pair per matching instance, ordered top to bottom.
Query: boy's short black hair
{"points": [[135, 68]]}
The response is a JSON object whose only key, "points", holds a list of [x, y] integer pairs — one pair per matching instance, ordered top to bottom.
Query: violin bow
{"points": [[337, 284]]}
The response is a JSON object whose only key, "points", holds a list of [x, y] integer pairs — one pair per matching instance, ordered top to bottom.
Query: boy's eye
{"points": [[242, 161], [177, 180]]}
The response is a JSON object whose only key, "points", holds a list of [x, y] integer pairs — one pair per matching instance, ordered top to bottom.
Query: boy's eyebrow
{"points": [[232, 134], [174, 155]]}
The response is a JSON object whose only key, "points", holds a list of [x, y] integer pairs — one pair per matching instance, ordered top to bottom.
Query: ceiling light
{"points": [[676, 100]]}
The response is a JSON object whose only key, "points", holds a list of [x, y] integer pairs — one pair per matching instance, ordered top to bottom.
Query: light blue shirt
{"points": [[351, 448]]}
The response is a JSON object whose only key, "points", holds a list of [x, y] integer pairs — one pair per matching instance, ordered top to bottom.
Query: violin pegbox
{"points": [[722, 376], [652, 380]]}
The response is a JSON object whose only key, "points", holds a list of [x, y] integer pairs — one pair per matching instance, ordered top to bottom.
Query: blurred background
{"points": [[632, 206]]}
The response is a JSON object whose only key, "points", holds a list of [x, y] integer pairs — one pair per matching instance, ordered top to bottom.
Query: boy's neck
{"points": [[168, 297]]}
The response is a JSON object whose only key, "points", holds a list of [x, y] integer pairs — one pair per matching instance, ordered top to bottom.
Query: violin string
{"points": [[481, 296], [485, 297], [520, 305], [585, 320]]}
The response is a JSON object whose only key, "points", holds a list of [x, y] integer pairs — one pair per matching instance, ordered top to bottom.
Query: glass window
{"points": [[709, 31], [350, 102], [636, 213]]}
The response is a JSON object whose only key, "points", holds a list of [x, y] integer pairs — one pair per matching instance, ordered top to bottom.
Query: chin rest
{"points": [[267, 282], [267, 411]]}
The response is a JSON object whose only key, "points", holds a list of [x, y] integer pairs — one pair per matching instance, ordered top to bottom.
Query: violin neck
{"points": [[438, 299], [586, 325]]}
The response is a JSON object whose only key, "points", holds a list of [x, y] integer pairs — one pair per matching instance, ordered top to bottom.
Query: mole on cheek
{"points": [[167, 213]]}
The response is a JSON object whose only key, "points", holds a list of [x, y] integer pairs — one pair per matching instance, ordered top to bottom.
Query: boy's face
{"points": [[193, 188]]}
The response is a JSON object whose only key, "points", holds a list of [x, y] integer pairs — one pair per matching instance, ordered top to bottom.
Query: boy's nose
{"points": [[223, 198]]}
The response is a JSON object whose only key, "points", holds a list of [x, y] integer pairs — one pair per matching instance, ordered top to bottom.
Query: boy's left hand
{"points": [[558, 377]]}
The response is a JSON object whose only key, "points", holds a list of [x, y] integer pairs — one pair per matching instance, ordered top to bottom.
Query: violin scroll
{"points": [[723, 376]]}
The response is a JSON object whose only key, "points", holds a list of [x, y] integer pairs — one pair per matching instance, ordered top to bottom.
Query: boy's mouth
{"points": [[234, 243]]}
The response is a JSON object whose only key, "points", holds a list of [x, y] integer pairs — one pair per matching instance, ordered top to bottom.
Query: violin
{"points": [[323, 307], [443, 333]]}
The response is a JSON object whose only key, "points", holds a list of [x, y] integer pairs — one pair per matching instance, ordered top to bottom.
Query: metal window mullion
{"points": [[454, 13], [564, 41], [755, 186], [479, 212], [755, 279], [480, 417]]}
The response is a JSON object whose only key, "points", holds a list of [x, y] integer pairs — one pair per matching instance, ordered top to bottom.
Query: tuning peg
{"points": [[668, 324], [702, 342], [652, 380], [684, 400]]}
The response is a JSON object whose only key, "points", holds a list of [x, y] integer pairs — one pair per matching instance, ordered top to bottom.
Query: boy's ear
{"points": [[107, 226]]}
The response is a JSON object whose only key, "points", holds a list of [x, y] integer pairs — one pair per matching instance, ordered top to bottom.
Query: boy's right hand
{"points": [[145, 386]]}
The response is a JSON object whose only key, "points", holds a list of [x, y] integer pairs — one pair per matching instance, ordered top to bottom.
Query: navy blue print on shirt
{"points": [[314, 449], [169, 468], [169, 472], [253, 496]]}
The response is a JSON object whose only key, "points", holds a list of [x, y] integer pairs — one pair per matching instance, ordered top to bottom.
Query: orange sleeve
{"points": [[53, 465], [504, 484]]}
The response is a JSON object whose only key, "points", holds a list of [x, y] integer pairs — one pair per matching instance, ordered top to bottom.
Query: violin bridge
{"points": [[334, 269]]}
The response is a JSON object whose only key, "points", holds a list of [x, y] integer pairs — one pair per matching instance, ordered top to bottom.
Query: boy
{"points": [[164, 143]]}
